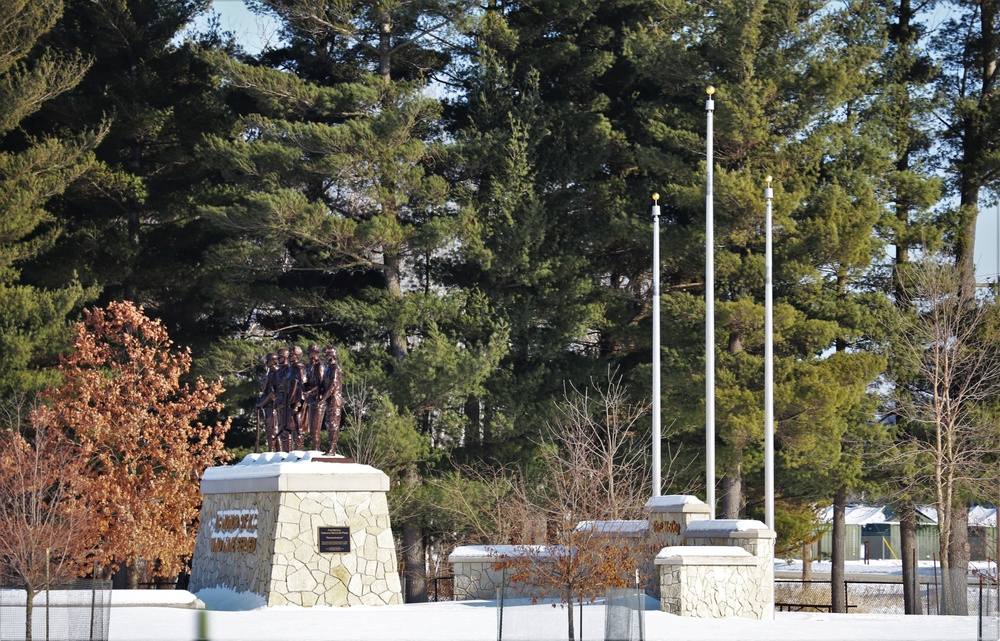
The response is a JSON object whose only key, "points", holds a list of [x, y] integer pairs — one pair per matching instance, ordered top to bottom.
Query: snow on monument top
{"points": [[296, 471], [676, 503]]}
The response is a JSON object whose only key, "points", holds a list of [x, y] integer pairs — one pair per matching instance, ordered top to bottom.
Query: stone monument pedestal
{"points": [[297, 531]]}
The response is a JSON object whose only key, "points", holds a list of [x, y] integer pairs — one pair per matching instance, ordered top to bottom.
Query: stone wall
{"points": [[669, 516], [267, 539], [236, 555], [705, 568], [725, 568], [476, 577], [711, 582]]}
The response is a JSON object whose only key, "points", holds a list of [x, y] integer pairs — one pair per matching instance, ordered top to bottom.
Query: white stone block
{"points": [[292, 497]]}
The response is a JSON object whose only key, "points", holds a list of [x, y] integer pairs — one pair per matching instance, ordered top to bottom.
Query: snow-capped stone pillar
{"points": [[669, 516], [297, 531], [726, 568]]}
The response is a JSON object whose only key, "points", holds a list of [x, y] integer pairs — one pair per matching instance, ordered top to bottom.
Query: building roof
{"points": [[858, 514]]}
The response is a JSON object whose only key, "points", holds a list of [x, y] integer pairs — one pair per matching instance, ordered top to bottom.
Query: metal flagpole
{"points": [[709, 316], [656, 345], [768, 364]]}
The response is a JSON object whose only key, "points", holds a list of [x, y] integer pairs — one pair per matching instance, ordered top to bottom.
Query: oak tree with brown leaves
{"points": [[139, 428]]}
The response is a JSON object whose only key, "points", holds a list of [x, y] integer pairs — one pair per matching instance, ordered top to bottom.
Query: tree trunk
{"points": [[385, 47], [965, 234], [393, 284], [474, 432], [732, 491], [908, 545], [413, 556], [958, 561], [807, 565], [133, 575], [838, 597], [29, 610], [569, 614]]}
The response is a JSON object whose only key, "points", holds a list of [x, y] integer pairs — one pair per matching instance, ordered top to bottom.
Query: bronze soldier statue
{"points": [[297, 378], [333, 382], [280, 387], [314, 391], [265, 400]]}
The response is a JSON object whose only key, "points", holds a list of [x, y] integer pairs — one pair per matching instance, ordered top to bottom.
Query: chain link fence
{"points": [[880, 596], [72, 611], [618, 616]]}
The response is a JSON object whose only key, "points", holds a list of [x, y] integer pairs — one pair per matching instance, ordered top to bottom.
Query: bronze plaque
{"points": [[335, 539]]}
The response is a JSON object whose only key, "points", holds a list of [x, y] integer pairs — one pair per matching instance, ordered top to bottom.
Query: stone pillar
{"points": [[669, 517], [297, 531], [752, 536], [711, 581]]}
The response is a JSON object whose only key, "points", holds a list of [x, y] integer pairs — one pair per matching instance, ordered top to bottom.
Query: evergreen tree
{"points": [[969, 44], [790, 82], [902, 118], [33, 170], [338, 219], [133, 229], [557, 245]]}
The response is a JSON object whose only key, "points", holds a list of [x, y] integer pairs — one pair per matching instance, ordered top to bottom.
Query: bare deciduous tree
{"points": [[950, 345], [594, 478], [46, 530]]}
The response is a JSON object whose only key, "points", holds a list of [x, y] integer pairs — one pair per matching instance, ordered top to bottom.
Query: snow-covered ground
{"points": [[225, 615], [230, 616], [477, 621]]}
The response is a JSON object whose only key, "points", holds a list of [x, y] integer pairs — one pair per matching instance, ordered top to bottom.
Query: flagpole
{"points": [[709, 313], [656, 346], [768, 363]]}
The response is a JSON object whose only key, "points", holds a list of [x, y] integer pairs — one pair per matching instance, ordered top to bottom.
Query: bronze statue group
{"points": [[295, 399]]}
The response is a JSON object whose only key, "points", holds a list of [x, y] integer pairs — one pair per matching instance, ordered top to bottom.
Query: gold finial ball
{"points": [[710, 90], [769, 181], [656, 197]]}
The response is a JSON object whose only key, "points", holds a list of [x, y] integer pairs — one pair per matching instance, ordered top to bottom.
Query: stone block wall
{"points": [[669, 516], [266, 540], [235, 542], [704, 568], [476, 578], [711, 582], [745, 584]]}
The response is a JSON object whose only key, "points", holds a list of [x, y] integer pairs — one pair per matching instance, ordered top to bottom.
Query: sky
{"points": [[250, 30], [987, 244]]}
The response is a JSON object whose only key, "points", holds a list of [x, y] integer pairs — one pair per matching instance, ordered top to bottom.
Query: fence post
{"points": [[48, 590], [93, 600], [980, 636]]}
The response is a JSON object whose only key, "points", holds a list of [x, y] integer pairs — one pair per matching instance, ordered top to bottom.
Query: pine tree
{"points": [[969, 44], [789, 111], [902, 118], [33, 170], [336, 212], [133, 229], [555, 245]]}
